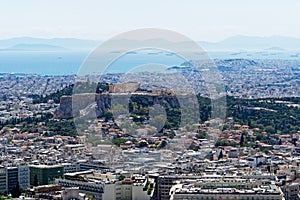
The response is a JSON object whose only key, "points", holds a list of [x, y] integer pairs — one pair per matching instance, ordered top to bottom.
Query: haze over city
{"points": [[99, 20]]}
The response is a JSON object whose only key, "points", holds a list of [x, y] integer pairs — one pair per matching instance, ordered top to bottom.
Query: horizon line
{"points": [[102, 40]]}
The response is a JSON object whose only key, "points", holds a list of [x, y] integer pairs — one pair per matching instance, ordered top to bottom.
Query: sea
{"points": [[69, 62]]}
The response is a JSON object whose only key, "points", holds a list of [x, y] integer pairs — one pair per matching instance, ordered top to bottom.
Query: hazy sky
{"points": [[210, 20]]}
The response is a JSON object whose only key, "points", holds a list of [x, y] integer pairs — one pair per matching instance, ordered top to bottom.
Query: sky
{"points": [[204, 20]]}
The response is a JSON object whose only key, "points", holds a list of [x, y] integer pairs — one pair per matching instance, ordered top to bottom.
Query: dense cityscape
{"points": [[149, 100], [45, 155]]}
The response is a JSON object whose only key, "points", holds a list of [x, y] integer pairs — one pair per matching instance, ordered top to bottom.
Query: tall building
{"points": [[45, 173], [24, 177], [11, 178], [2, 179]]}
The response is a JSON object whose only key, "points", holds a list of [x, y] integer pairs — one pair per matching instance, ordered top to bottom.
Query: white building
{"points": [[108, 187], [235, 188]]}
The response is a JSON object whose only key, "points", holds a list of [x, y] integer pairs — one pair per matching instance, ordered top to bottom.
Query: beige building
{"points": [[124, 87], [128, 190]]}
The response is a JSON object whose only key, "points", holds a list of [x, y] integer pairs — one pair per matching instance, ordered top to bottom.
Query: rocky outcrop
{"points": [[97, 104], [71, 106]]}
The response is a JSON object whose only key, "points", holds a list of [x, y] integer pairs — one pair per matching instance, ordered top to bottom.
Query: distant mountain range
{"points": [[29, 43], [236, 43], [253, 43], [35, 47]]}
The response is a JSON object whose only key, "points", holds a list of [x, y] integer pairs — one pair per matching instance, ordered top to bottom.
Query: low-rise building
{"points": [[238, 189]]}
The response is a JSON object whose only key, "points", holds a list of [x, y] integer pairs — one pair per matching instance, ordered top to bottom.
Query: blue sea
{"points": [[69, 62]]}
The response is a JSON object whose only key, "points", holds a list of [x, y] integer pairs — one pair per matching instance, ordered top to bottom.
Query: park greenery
{"points": [[79, 87], [272, 115]]}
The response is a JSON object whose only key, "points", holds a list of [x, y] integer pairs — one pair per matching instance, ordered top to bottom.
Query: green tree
{"points": [[108, 116], [225, 127], [270, 129], [201, 135], [242, 140], [118, 141], [143, 144], [162, 144], [220, 155], [122, 177], [35, 180], [16, 192]]}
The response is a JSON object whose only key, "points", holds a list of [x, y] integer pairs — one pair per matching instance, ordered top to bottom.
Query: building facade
{"points": [[45, 173], [24, 177], [11, 178], [2, 179], [233, 188]]}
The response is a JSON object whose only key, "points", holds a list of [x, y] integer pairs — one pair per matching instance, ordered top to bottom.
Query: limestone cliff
{"points": [[98, 104]]}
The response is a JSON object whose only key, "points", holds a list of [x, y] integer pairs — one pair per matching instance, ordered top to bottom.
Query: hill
{"points": [[35, 47]]}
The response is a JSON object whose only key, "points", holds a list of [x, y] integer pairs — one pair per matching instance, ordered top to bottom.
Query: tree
{"points": [[108, 116], [225, 127], [270, 129], [201, 135], [259, 137], [242, 140], [118, 141], [294, 141], [143, 144], [162, 144], [220, 155], [122, 177], [35, 181], [16, 192], [90, 197]]}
